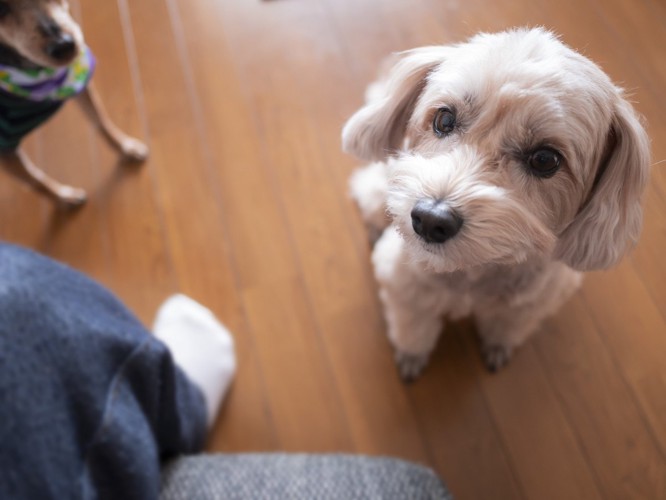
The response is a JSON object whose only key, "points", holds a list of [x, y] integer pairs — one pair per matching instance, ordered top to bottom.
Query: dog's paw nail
{"points": [[134, 150], [71, 197], [496, 356], [410, 366]]}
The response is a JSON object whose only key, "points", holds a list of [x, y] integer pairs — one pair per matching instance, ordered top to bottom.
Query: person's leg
{"points": [[90, 401]]}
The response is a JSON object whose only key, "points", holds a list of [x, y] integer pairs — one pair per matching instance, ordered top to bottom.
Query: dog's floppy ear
{"points": [[378, 129], [610, 222]]}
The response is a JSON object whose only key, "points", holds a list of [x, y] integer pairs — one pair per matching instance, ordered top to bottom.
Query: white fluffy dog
{"points": [[504, 165]]}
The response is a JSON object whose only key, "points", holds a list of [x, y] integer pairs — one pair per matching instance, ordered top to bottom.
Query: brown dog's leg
{"points": [[132, 149], [18, 164]]}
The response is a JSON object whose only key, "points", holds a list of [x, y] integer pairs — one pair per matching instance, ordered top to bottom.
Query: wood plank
{"points": [[233, 147], [123, 192], [190, 208], [24, 213], [73, 236], [334, 275], [633, 328], [299, 384], [601, 406], [454, 414], [545, 453]]}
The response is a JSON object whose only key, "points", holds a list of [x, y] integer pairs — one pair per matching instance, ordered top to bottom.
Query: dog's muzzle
{"points": [[435, 221]]}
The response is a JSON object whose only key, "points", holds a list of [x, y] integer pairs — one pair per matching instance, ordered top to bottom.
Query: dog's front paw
{"points": [[133, 149], [496, 356], [410, 365]]}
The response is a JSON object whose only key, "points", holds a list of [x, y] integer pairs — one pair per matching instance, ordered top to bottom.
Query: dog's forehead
{"points": [[516, 65], [522, 80]]}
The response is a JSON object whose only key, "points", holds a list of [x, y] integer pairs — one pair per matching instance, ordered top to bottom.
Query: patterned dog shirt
{"points": [[29, 97]]}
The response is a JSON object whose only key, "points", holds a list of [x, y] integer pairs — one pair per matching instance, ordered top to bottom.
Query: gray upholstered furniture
{"points": [[298, 477]]}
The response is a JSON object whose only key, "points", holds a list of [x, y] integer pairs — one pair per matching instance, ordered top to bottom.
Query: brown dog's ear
{"points": [[378, 129], [610, 222]]}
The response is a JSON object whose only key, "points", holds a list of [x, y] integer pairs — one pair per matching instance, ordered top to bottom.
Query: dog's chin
{"points": [[38, 57], [49, 62], [63, 64], [463, 253]]}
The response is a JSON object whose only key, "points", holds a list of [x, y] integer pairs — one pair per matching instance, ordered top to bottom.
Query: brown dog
{"points": [[43, 62]]}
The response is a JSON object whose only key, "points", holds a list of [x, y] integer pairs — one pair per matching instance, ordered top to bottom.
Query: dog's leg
{"points": [[132, 149], [18, 164], [368, 186], [412, 307], [503, 327], [502, 330], [413, 332]]}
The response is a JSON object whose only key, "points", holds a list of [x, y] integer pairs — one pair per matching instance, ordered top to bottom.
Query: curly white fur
{"points": [[524, 238]]}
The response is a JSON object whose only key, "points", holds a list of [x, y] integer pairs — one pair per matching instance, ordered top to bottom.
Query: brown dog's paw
{"points": [[133, 149], [70, 197], [496, 356], [410, 366]]}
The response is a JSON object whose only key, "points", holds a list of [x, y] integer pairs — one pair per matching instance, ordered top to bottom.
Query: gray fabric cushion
{"points": [[298, 477]]}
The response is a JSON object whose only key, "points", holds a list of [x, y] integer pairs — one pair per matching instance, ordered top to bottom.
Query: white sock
{"points": [[200, 345]]}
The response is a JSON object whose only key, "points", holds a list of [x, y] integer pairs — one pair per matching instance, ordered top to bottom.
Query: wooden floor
{"points": [[243, 205]]}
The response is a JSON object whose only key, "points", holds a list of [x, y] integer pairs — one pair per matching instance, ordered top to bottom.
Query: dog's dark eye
{"points": [[4, 9], [444, 122], [544, 162]]}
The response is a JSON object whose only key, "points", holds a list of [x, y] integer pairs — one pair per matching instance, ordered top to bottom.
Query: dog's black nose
{"points": [[63, 48], [434, 221]]}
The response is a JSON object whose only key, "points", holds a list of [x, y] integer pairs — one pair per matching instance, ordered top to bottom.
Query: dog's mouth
{"points": [[53, 55], [419, 243], [474, 246], [432, 248], [443, 257]]}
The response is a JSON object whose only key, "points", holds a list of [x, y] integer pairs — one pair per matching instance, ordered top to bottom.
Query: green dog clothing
{"points": [[29, 97]]}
